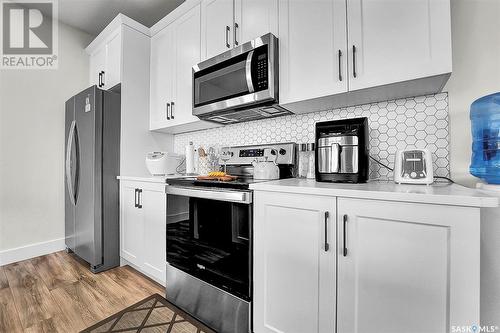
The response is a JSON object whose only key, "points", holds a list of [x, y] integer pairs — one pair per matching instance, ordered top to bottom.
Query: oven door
{"points": [[243, 76], [209, 236]]}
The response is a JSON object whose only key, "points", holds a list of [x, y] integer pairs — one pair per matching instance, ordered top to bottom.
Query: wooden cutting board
{"points": [[226, 178]]}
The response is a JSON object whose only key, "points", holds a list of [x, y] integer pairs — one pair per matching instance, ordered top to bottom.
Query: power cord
{"points": [[382, 164], [391, 169], [445, 178]]}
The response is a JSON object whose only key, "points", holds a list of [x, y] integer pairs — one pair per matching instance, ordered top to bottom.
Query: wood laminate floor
{"points": [[58, 293]]}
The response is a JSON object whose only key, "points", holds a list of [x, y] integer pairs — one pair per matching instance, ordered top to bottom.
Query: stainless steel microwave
{"points": [[240, 84]]}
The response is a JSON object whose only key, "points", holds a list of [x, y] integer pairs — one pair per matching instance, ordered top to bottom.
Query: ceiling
{"points": [[92, 16]]}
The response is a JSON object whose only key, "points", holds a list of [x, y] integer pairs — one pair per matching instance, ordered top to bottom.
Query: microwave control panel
{"points": [[260, 68]]}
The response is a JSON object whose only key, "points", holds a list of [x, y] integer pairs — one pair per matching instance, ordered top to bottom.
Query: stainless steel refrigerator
{"points": [[91, 167]]}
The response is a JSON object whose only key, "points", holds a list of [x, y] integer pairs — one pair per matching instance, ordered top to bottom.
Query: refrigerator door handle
{"points": [[69, 149]]}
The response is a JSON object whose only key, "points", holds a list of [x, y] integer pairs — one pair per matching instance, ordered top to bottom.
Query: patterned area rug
{"points": [[153, 314]]}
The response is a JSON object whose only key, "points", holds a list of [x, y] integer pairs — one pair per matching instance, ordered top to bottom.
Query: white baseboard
{"points": [[31, 251]]}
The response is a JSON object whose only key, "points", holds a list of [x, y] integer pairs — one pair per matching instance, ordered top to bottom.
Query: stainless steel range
{"points": [[209, 240]]}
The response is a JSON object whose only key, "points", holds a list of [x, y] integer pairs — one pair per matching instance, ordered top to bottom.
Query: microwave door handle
{"points": [[248, 70], [335, 157]]}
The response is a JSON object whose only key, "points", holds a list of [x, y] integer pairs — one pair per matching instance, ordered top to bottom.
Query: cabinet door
{"points": [[254, 18], [216, 27], [186, 32], [311, 37], [397, 41], [97, 65], [112, 75], [162, 76], [154, 205], [131, 224], [408, 267], [294, 273]]}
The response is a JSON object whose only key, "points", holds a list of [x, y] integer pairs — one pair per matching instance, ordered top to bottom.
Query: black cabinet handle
{"points": [[236, 26], [228, 29], [354, 61], [340, 65], [103, 78], [99, 81], [172, 110], [168, 111], [139, 194], [135, 198], [327, 217], [345, 236]]}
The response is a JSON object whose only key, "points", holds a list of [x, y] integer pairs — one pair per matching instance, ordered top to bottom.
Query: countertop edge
{"points": [[159, 180], [437, 199]]}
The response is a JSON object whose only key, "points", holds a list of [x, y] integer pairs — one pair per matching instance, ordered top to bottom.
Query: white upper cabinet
{"points": [[254, 18], [229, 23], [217, 27], [186, 35], [393, 41], [174, 51], [332, 53], [313, 55], [105, 61], [97, 65], [162, 74], [112, 76], [294, 263], [406, 267]]}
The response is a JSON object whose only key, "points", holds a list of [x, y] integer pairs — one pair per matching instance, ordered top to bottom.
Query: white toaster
{"points": [[162, 163], [413, 166]]}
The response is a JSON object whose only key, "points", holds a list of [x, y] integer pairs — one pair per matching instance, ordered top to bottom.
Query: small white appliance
{"points": [[162, 163], [413, 166]]}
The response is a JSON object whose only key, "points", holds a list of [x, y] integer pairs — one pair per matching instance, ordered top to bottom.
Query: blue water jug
{"points": [[485, 125]]}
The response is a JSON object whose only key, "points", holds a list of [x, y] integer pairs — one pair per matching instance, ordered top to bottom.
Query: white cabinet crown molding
{"points": [[172, 16], [117, 22]]}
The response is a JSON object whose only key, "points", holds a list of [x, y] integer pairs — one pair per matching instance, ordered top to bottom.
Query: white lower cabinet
{"points": [[143, 227], [391, 267], [407, 267], [294, 272]]}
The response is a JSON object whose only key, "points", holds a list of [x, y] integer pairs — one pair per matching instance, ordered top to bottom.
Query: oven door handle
{"points": [[248, 71], [230, 196]]}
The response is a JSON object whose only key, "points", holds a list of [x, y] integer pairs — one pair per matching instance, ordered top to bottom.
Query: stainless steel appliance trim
{"points": [[243, 48], [248, 72], [271, 94], [231, 103], [341, 140], [69, 149], [329, 159], [349, 159], [221, 195], [216, 308]]}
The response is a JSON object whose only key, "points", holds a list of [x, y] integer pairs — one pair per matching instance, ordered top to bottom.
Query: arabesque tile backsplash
{"points": [[410, 122]]}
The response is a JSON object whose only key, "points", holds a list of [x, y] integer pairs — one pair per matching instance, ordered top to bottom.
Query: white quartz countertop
{"points": [[151, 179], [438, 193]]}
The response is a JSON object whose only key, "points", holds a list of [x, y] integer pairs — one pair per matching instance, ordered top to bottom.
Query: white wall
{"points": [[476, 72], [32, 144]]}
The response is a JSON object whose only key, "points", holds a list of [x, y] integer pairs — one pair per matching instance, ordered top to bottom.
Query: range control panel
{"points": [[245, 155]]}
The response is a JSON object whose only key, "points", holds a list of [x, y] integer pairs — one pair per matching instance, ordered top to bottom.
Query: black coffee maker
{"points": [[342, 151]]}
